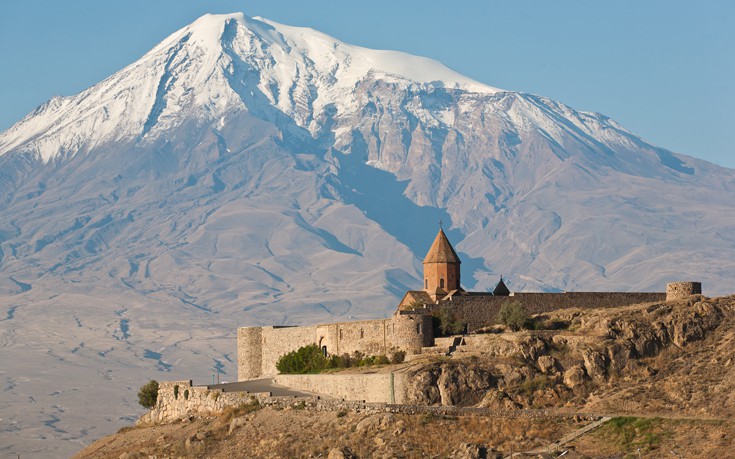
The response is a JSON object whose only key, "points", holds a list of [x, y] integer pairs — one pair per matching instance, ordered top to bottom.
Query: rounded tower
{"points": [[441, 268], [677, 290], [412, 330]]}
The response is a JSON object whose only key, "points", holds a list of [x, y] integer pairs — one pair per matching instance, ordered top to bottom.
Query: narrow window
{"points": [[426, 283], [441, 283], [362, 333], [324, 350]]}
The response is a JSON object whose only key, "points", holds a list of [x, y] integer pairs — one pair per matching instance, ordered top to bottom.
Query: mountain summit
{"points": [[216, 65], [244, 172]]}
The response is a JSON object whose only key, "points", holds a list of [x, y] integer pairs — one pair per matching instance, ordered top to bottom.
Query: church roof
{"points": [[441, 250], [501, 289]]}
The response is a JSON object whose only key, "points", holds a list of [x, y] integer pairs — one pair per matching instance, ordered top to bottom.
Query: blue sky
{"points": [[663, 69]]}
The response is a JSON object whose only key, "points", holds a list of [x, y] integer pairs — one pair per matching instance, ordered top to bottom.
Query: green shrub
{"points": [[513, 315], [446, 323], [307, 359], [310, 359], [176, 392], [148, 394], [186, 394]]}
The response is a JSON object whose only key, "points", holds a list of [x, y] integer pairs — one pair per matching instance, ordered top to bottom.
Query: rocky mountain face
{"points": [[244, 172]]}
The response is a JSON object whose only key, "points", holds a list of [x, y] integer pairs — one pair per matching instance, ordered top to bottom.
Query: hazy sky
{"points": [[663, 69]]}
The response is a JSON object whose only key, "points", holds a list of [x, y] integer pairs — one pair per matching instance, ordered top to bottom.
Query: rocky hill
{"points": [[664, 372]]}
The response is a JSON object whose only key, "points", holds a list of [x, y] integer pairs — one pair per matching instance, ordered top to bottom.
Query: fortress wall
{"points": [[481, 310], [370, 337], [278, 341], [259, 348], [249, 353], [371, 388], [173, 403]]}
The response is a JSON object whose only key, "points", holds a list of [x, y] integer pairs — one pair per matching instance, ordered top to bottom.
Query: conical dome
{"points": [[441, 250], [501, 289]]}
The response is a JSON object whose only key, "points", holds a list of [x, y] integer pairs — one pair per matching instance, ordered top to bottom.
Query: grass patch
{"points": [[530, 386], [236, 411], [127, 429], [631, 433]]}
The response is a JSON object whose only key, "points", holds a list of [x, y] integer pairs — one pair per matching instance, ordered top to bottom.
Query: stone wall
{"points": [[677, 290], [481, 310], [371, 337], [278, 341], [259, 348], [373, 388], [177, 399]]}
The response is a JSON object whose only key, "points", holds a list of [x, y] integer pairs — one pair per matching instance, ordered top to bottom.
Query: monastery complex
{"points": [[410, 329]]}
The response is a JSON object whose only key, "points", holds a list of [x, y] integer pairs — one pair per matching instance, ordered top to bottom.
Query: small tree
{"points": [[513, 315], [448, 323], [307, 359], [148, 394]]}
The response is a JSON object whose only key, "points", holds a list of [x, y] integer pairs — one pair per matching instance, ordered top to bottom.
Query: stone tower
{"points": [[441, 268]]}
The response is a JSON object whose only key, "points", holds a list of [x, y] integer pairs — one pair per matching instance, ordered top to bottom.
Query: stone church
{"points": [[411, 328]]}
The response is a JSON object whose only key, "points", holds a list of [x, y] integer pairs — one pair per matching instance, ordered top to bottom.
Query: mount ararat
{"points": [[244, 172]]}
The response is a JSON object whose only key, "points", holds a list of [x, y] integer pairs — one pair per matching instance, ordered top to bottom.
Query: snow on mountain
{"points": [[213, 66], [245, 172]]}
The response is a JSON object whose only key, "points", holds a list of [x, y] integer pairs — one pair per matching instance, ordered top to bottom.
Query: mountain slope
{"points": [[245, 172]]}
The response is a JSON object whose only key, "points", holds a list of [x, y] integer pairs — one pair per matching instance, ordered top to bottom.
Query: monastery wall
{"points": [[481, 310], [372, 337], [278, 341], [259, 348], [371, 388]]}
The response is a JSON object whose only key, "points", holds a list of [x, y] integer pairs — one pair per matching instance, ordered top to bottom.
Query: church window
{"points": [[426, 283], [441, 283]]}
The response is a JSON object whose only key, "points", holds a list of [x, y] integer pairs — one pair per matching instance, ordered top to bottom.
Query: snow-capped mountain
{"points": [[246, 172]]}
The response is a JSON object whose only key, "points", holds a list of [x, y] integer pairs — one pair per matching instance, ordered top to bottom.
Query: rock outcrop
{"points": [[546, 368]]}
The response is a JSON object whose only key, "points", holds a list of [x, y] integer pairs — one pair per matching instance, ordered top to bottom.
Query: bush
{"points": [[513, 315], [446, 323], [307, 359], [310, 359], [148, 394]]}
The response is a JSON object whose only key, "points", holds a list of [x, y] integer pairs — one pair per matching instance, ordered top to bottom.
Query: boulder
{"points": [[547, 364], [574, 376]]}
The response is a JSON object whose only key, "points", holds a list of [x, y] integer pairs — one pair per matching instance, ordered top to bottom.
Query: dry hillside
{"points": [[663, 371]]}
